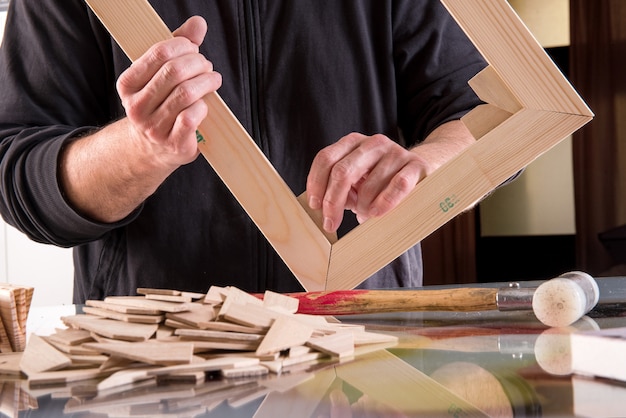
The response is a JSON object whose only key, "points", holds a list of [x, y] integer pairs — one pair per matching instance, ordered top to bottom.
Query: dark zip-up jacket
{"points": [[299, 74]]}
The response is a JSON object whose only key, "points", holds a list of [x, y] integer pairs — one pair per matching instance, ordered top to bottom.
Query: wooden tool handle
{"points": [[352, 302]]}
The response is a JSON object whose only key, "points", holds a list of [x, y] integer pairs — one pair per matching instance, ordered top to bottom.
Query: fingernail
{"points": [[314, 202], [328, 225]]}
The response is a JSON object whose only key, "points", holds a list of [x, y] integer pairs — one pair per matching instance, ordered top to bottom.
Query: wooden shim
{"points": [[490, 88], [549, 111], [481, 123], [317, 217], [153, 291], [216, 295], [195, 296], [236, 296], [23, 298], [170, 298], [142, 302], [280, 302], [122, 308], [8, 313], [198, 313], [250, 316], [124, 317], [176, 324], [227, 326], [110, 328], [164, 332], [284, 333], [219, 335], [70, 336], [101, 339], [5, 342], [339, 345], [210, 346], [70, 349], [298, 350], [151, 352], [39, 356], [268, 357], [87, 359], [10, 363], [117, 363], [61, 377]]}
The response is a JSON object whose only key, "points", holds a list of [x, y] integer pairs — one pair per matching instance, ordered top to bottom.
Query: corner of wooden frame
{"points": [[529, 107]]}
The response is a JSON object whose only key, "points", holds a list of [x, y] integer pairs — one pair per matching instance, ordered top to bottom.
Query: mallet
{"points": [[557, 302]]}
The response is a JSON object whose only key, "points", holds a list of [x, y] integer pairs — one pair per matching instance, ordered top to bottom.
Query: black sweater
{"points": [[299, 74]]}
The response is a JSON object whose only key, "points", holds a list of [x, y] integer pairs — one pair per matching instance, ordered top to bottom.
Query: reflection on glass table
{"points": [[504, 364]]}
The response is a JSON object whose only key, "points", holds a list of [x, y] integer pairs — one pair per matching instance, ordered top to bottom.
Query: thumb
{"points": [[193, 29]]}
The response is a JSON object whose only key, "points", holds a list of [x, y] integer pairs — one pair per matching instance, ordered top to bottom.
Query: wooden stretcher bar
{"points": [[530, 107]]}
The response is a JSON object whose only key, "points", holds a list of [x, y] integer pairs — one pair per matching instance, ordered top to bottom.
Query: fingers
{"points": [[193, 29], [169, 78], [163, 91], [335, 170], [369, 175], [393, 178]]}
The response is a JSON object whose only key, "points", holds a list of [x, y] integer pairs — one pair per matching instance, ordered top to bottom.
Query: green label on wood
{"points": [[448, 203]]}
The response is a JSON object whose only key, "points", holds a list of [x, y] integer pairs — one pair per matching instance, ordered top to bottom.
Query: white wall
{"points": [[548, 20], [539, 202], [49, 269]]}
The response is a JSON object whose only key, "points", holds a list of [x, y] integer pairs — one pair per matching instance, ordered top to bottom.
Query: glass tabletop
{"points": [[454, 364]]}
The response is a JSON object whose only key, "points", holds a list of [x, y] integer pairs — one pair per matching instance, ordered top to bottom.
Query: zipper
{"points": [[251, 20]]}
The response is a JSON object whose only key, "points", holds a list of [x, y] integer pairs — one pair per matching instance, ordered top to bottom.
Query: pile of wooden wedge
{"points": [[169, 335]]}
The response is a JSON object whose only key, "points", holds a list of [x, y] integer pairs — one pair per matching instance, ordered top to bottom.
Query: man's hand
{"points": [[163, 92], [366, 174], [106, 175], [370, 175]]}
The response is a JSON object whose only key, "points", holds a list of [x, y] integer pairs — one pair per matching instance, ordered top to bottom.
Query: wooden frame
{"points": [[530, 108]]}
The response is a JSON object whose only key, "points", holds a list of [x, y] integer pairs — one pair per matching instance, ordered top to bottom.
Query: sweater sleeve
{"points": [[434, 61], [56, 85]]}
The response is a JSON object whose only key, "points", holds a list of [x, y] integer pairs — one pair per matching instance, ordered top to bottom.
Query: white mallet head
{"points": [[562, 301]]}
